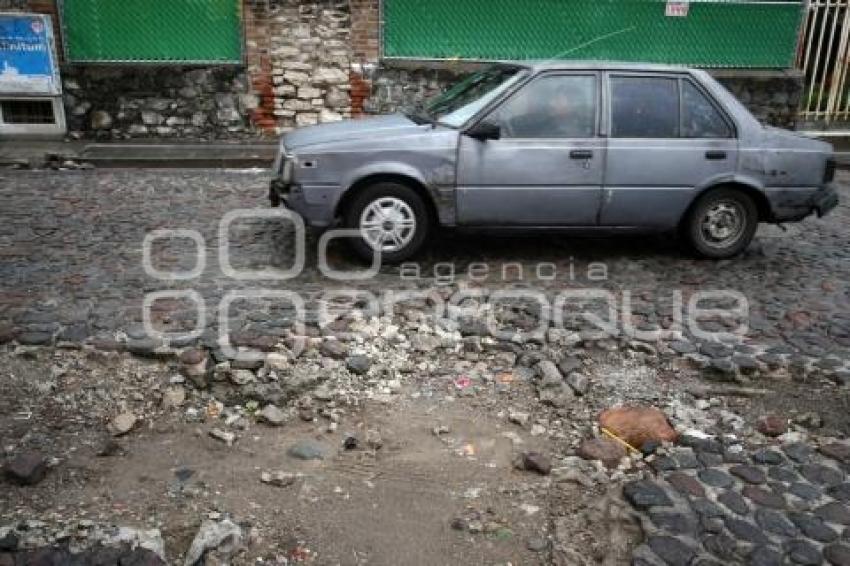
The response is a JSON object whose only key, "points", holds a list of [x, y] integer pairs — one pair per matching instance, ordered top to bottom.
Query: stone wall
{"points": [[393, 88], [772, 96], [119, 102]]}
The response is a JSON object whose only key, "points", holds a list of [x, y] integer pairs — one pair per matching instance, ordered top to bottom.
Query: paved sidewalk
{"points": [[149, 153]]}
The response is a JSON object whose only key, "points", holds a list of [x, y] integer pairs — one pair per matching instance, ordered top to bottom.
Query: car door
{"points": [[668, 139], [546, 168]]}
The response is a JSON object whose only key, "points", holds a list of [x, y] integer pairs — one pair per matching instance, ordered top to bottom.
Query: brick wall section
{"points": [[365, 20], [258, 46], [365, 48]]}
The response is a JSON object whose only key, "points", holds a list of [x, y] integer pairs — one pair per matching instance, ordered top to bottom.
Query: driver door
{"points": [[546, 168]]}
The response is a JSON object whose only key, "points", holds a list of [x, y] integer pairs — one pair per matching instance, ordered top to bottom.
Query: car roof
{"points": [[557, 65]]}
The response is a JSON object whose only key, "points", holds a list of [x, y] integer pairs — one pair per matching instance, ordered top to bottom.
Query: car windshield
{"points": [[462, 101]]}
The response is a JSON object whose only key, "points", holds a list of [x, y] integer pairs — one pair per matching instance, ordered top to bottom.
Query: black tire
{"points": [[373, 193], [726, 204]]}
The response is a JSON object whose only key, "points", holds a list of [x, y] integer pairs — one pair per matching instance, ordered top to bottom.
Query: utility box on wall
{"points": [[30, 88]]}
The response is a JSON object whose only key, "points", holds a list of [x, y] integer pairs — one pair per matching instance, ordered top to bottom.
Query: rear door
{"points": [[668, 139], [546, 169]]}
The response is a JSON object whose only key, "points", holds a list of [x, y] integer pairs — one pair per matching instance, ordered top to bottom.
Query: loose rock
{"points": [[271, 415], [122, 424], [772, 425], [603, 449], [534, 462], [26, 469], [224, 537]]}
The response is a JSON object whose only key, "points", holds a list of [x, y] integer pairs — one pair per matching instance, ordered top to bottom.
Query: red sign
{"points": [[677, 9]]}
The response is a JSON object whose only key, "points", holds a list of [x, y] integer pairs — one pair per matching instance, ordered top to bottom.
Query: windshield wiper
{"points": [[420, 116]]}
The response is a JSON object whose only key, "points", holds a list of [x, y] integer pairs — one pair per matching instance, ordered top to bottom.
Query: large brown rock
{"points": [[638, 425]]}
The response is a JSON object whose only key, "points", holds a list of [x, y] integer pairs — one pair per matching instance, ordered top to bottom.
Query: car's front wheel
{"points": [[391, 218], [722, 223]]}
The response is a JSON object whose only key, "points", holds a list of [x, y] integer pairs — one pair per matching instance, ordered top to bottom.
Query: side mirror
{"points": [[485, 131]]}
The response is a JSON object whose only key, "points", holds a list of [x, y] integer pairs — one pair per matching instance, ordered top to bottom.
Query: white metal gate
{"points": [[824, 59]]}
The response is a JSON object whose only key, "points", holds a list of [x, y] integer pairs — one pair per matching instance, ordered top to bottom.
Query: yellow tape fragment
{"points": [[616, 438]]}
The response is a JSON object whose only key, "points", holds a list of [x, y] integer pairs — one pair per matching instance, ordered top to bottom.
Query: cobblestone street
{"points": [[72, 264]]}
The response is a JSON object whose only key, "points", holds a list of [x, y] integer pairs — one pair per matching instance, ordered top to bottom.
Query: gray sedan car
{"points": [[561, 146]]}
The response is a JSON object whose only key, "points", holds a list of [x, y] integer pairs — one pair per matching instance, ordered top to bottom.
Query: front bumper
{"points": [[291, 196]]}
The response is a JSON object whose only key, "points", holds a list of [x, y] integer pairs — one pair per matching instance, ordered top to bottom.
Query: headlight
{"points": [[288, 166]]}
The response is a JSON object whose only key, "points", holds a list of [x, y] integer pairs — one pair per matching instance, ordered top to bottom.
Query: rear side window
{"points": [[645, 107], [700, 118]]}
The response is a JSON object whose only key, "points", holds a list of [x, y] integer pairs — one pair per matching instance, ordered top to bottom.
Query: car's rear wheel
{"points": [[391, 218], [721, 223]]}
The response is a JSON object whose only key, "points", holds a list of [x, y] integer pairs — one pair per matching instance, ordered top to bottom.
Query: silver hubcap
{"points": [[723, 223], [388, 224]]}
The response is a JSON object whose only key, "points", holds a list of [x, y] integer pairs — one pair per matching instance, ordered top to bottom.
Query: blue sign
{"points": [[27, 61]]}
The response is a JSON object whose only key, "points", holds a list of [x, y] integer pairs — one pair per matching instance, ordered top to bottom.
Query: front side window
{"points": [[557, 106], [644, 107], [700, 118]]}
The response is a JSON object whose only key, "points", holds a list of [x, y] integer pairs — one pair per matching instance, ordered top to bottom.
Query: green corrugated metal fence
{"points": [[152, 30], [713, 34]]}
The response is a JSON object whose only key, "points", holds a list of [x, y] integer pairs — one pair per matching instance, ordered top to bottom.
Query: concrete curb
{"points": [[37, 154]]}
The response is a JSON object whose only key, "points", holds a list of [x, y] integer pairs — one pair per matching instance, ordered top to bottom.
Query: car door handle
{"points": [[581, 154], [715, 155]]}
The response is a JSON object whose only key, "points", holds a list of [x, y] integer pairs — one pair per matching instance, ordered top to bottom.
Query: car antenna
{"points": [[591, 42]]}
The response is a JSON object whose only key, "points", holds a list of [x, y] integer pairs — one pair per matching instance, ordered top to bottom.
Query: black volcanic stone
{"points": [[701, 444], [798, 452], [769, 457], [686, 459], [781, 473], [749, 474], [822, 475], [715, 478], [805, 491], [840, 492], [643, 494], [761, 496], [734, 502], [706, 508], [834, 512], [672, 522], [775, 522], [814, 527], [746, 531], [722, 546], [672, 550], [803, 552], [837, 554], [765, 556]]}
